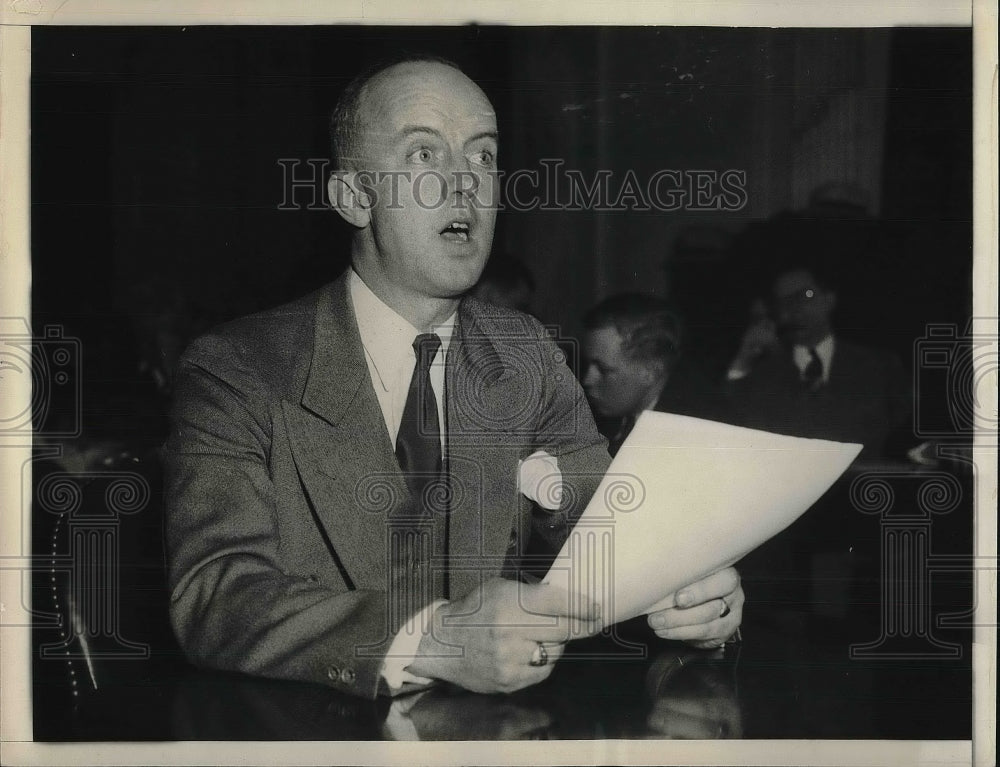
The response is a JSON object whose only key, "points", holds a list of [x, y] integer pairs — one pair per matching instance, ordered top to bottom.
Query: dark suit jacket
{"points": [[865, 399], [283, 487]]}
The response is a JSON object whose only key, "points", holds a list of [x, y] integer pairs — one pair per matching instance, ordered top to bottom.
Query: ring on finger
{"points": [[725, 609], [540, 657]]}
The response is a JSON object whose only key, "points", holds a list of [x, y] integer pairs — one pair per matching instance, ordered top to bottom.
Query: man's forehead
{"points": [[404, 95], [798, 279], [606, 339]]}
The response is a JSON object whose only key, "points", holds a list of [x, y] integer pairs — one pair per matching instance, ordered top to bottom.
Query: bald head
{"points": [[353, 117]]}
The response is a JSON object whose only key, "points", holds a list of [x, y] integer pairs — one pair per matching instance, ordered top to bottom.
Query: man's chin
{"points": [[793, 336], [601, 413]]}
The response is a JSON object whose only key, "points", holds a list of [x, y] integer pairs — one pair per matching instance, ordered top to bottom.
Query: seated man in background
{"points": [[632, 349], [794, 375]]}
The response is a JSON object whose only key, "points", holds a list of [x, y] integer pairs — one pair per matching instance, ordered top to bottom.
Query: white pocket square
{"points": [[539, 480]]}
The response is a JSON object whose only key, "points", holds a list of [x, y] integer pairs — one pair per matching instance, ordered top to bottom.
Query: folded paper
{"points": [[684, 498]]}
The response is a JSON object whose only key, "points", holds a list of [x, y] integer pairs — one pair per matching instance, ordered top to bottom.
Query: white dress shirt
{"points": [[388, 342], [824, 350], [801, 357]]}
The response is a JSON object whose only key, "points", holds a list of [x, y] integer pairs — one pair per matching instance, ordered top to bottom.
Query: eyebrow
{"points": [[409, 130], [486, 134]]}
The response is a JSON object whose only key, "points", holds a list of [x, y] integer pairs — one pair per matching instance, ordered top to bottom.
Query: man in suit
{"points": [[632, 349], [794, 375], [346, 494]]}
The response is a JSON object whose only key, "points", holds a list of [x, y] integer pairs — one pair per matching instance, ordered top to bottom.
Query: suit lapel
{"points": [[482, 393], [348, 468], [353, 484]]}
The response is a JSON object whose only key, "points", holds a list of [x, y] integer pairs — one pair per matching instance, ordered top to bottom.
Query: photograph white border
{"points": [[16, 18]]}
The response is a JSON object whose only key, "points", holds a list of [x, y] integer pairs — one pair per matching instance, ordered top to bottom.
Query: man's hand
{"points": [[760, 337], [704, 614], [485, 642]]}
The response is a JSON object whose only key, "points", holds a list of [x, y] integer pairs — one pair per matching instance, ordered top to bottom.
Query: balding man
{"points": [[348, 499]]}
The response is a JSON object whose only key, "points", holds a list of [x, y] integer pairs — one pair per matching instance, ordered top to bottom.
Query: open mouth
{"points": [[456, 231]]}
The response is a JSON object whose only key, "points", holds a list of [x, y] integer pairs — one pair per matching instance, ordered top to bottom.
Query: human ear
{"points": [[349, 199], [652, 370]]}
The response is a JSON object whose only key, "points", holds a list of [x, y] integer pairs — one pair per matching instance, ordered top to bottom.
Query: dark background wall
{"points": [[156, 180]]}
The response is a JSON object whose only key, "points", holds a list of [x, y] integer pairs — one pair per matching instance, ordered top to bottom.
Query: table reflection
{"points": [[672, 692], [694, 696], [211, 705], [453, 714]]}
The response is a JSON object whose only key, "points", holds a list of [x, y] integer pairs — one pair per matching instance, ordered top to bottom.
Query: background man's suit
{"points": [[865, 399], [283, 489]]}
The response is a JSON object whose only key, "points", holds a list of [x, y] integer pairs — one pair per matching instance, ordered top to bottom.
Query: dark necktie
{"points": [[812, 376], [624, 429], [418, 443]]}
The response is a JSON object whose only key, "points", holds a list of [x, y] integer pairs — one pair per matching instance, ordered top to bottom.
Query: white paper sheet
{"points": [[684, 498]]}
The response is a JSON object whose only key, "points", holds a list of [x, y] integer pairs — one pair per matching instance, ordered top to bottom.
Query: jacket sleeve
{"points": [[567, 431], [234, 605]]}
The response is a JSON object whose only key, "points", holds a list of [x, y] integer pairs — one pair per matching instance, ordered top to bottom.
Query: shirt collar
{"points": [[386, 336], [824, 350]]}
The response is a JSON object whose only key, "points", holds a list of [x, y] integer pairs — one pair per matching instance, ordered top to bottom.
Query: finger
{"points": [[715, 586], [550, 599], [670, 600], [692, 616], [716, 631], [707, 644], [554, 650], [523, 651], [516, 670]]}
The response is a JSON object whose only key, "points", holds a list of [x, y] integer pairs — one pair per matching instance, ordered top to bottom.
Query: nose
{"points": [[465, 181], [782, 314], [590, 377]]}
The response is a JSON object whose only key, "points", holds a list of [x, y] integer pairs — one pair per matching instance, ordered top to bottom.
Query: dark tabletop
{"points": [[827, 652], [785, 680]]}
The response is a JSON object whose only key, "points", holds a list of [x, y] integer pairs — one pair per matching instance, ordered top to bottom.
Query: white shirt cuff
{"points": [[403, 649]]}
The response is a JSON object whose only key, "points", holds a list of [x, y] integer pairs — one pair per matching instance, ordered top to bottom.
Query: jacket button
{"points": [[333, 673], [347, 676]]}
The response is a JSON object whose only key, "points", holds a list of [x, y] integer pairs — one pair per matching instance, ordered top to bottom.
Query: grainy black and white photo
{"points": [[500, 383]]}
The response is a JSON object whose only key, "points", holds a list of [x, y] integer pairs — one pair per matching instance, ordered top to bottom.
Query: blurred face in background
{"points": [[801, 307], [616, 384]]}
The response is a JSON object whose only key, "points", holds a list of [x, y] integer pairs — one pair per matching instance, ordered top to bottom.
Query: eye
{"points": [[421, 155], [483, 157]]}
